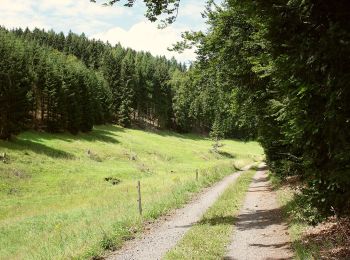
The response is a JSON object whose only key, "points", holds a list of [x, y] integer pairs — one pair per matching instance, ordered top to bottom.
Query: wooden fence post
{"points": [[197, 175], [139, 199]]}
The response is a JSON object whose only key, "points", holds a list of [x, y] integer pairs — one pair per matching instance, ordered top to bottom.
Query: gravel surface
{"points": [[260, 232], [155, 243]]}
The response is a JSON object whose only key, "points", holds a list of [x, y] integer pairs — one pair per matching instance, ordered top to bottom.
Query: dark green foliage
{"points": [[310, 49], [286, 64], [15, 79], [137, 81], [71, 83], [45, 89], [201, 100]]}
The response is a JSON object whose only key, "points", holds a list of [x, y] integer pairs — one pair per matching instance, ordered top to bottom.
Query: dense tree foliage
{"points": [[288, 65], [15, 78], [138, 81], [55, 82], [130, 87], [43, 88], [201, 101]]}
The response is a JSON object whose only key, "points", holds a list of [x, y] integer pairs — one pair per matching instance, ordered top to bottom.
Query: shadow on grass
{"points": [[147, 127], [168, 133], [101, 134], [193, 137], [32, 141], [25, 145], [226, 154], [227, 220]]}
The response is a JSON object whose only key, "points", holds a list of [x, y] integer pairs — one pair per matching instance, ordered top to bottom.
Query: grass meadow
{"points": [[65, 196]]}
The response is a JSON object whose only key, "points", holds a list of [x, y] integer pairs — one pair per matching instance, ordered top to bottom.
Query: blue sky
{"points": [[114, 24]]}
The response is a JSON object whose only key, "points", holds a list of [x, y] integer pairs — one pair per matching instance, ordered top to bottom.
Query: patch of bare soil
{"points": [[332, 239]]}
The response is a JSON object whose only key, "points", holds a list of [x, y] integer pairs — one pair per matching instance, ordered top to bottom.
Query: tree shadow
{"points": [[146, 127], [168, 133], [100, 134], [189, 136], [38, 148], [226, 154], [261, 168], [261, 179], [259, 219], [226, 220], [262, 220], [278, 245]]}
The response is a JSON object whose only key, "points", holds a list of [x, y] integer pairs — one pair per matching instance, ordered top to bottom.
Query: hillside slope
{"points": [[60, 196]]}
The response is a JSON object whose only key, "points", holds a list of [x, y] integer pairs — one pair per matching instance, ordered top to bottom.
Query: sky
{"points": [[115, 24]]}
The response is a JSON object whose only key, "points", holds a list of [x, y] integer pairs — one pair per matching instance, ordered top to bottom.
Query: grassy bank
{"points": [[55, 201], [291, 209], [208, 238], [328, 239]]}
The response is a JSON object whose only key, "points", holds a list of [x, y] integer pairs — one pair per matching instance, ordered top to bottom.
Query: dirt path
{"points": [[260, 232], [162, 238]]}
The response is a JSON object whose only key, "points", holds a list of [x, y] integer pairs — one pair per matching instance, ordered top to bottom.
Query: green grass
{"points": [[56, 204], [296, 227], [208, 238]]}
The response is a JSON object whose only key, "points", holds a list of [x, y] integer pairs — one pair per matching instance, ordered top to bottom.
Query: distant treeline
{"points": [[56, 82]]}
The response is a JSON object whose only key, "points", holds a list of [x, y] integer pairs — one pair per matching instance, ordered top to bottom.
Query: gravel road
{"points": [[260, 232], [155, 243]]}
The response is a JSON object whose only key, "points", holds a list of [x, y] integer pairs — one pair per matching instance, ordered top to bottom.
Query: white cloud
{"points": [[14, 6], [80, 8], [191, 9], [58, 14], [115, 24], [145, 36]]}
